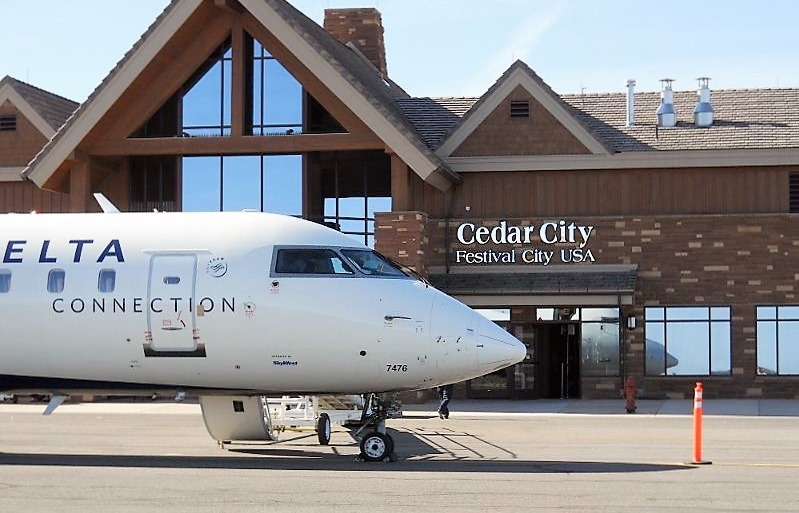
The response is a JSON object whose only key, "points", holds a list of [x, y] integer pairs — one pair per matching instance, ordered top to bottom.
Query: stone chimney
{"points": [[363, 27]]}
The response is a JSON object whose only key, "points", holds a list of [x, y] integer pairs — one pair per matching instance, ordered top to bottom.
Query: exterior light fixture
{"points": [[631, 322]]}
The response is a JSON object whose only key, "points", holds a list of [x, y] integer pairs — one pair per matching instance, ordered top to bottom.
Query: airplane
{"points": [[226, 304]]}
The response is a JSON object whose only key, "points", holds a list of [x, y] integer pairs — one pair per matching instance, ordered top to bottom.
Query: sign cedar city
{"points": [[540, 239]]}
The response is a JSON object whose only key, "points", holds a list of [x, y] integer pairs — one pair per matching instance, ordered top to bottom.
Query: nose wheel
{"points": [[375, 443], [376, 446]]}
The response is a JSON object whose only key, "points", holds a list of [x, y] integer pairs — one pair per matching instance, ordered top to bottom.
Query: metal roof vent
{"points": [[630, 102], [703, 112], [667, 116]]}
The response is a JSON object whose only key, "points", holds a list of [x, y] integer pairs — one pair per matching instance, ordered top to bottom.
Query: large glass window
{"points": [[276, 96], [207, 101], [267, 183], [777, 340], [688, 341], [599, 344]]}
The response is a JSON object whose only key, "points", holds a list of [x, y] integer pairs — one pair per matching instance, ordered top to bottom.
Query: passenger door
{"points": [[171, 321]]}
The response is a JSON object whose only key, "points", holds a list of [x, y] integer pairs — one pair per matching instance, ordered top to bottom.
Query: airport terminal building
{"points": [[650, 235]]}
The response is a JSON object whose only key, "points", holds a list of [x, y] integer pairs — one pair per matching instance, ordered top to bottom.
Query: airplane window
{"points": [[311, 261], [373, 263], [5, 280], [55, 280], [171, 280], [106, 281]]}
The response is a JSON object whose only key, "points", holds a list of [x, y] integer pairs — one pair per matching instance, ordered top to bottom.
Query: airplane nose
{"points": [[496, 348]]}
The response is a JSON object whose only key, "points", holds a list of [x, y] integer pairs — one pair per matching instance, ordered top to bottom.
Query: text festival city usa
{"points": [[565, 233]]}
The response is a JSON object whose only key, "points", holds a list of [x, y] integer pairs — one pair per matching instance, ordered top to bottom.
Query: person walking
{"points": [[444, 396]]}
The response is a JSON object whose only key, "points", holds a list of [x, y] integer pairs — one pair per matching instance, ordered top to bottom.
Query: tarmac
{"points": [[483, 407], [738, 407], [498, 456]]}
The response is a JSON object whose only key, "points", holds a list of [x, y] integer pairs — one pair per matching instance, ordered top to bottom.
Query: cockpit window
{"points": [[311, 261], [372, 263]]}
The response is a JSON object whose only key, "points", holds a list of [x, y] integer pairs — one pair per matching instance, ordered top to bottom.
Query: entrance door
{"points": [[171, 323], [557, 360]]}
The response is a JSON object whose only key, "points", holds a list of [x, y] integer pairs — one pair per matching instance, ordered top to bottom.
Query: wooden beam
{"points": [[230, 5], [238, 89], [233, 145], [79, 185], [400, 185]]}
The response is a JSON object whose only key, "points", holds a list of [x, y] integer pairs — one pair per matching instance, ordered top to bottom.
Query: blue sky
{"points": [[460, 47]]}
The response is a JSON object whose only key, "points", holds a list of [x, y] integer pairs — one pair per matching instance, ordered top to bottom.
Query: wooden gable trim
{"points": [[170, 70], [520, 78], [311, 83], [8, 93], [90, 113], [628, 160], [428, 169], [11, 174]]}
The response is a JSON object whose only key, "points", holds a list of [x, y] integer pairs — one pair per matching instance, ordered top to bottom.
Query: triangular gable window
{"points": [[276, 96], [208, 99], [275, 103]]}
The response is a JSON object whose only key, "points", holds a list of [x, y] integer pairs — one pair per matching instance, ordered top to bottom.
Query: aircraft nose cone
{"points": [[497, 348]]}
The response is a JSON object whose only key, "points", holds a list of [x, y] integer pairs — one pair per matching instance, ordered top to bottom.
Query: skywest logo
{"points": [[548, 233]]}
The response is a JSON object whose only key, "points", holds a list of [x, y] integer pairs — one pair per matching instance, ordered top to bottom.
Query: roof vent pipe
{"points": [[630, 102], [703, 112], [667, 116]]}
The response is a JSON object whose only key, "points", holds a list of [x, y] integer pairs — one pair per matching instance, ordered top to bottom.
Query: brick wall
{"points": [[364, 28], [19, 146], [402, 236], [736, 260]]}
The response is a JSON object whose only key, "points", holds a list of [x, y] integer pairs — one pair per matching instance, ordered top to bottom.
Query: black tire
{"points": [[324, 429], [376, 446]]}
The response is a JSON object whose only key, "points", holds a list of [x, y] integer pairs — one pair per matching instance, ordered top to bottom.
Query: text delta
{"points": [[19, 251]]}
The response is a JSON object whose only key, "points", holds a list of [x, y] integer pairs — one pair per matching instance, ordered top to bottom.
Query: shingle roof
{"points": [[54, 109], [434, 117], [744, 119], [556, 282]]}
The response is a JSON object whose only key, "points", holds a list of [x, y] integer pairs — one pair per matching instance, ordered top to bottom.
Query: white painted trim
{"points": [[520, 78], [8, 93], [347, 93], [91, 113], [628, 160], [11, 174]]}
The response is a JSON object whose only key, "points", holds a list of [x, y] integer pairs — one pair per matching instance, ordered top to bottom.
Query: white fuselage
{"points": [[196, 301]]}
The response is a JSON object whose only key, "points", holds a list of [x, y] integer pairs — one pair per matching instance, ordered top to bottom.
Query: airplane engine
{"points": [[230, 417]]}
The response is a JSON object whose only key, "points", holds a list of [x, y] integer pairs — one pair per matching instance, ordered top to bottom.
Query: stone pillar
{"points": [[402, 236]]}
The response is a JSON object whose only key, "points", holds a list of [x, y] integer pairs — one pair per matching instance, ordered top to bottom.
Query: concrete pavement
{"points": [[482, 407]]}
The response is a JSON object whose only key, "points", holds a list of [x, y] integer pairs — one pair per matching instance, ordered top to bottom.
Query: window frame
{"points": [[273, 272], [104, 273], [52, 274], [712, 317], [776, 322]]}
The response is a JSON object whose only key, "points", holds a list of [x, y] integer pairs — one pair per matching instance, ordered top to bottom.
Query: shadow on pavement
{"points": [[419, 451]]}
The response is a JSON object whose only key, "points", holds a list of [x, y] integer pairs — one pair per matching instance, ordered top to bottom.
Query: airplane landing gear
{"points": [[376, 444]]}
